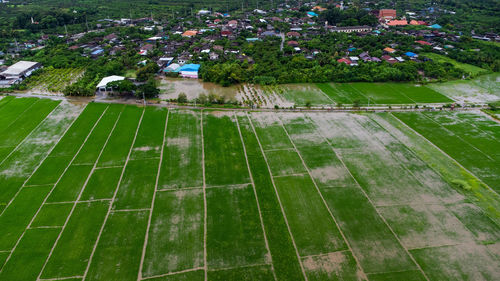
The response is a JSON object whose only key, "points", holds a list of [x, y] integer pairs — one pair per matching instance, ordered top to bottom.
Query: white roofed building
{"points": [[102, 86]]}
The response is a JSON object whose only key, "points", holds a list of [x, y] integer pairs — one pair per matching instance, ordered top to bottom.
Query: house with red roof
{"points": [[424, 43], [345, 60]]}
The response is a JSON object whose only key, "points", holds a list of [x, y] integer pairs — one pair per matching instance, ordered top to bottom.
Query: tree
{"points": [[146, 72], [123, 86], [149, 90], [182, 98]]}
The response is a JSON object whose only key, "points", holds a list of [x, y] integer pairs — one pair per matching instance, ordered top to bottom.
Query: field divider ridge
{"points": [[28, 136], [40, 164], [53, 187], [81, 191], [256, 197], [278, 197], [113, 198], [322, 198], [371, 202], [205, 209], [148, 227], [173, 273], [61, 278]]}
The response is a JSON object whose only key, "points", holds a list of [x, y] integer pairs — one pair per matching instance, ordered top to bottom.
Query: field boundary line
{"points": [[361, 93], [401, 93], [324, 94], [457, 136], [16, 147], [278, 149], [446, 154], [42, 160], [108, 167], [291, 175], [230, 186], [53, 187], [179, 189], [321, 195], [278, 197], [113, 198], [256, 198], [75, 203], [373, 205], [130, 210], [205, 214], [42, 227], [148, 227], [446, 245], [326, 254], [241, 266], [173, 273], [61, 278]]}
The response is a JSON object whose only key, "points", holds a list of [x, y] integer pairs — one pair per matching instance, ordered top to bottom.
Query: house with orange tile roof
{"points": [[397, 23], [189, 33], [389, 50]]}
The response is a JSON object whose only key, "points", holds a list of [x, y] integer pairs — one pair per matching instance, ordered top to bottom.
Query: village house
{"points": [[349, 29]]}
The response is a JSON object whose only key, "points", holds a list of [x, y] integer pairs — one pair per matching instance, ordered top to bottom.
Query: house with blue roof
{"points": [[312, 14], [435, 26], [411, 54], [189, 70]]}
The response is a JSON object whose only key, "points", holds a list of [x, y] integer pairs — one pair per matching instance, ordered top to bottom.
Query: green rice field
{"points": [[381, 93], [121, 192]]}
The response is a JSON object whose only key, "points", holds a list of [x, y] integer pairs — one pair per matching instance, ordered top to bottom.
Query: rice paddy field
{"points": [[120, 192]]}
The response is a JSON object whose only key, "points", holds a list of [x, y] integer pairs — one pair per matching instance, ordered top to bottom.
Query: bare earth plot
{"points": [[120, 192]]}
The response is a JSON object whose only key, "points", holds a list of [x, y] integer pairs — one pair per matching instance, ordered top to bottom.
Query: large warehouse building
{"points": [[17, 72]]}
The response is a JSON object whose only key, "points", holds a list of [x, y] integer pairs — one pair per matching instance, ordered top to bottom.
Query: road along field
{"points": [[120, 192]]}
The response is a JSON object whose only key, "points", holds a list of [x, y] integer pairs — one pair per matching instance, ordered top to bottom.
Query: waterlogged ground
{"points": [[483, 89], [120, 192]]}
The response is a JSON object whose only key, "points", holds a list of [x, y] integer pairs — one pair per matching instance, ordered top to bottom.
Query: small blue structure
{"points": [[312, 14], [435, 26], [252, 39], [352, 49], [97, 52], [411, 55], [189, 70]]}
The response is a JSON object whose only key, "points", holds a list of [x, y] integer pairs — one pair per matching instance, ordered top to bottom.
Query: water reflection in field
{"points": [[170, 88]]}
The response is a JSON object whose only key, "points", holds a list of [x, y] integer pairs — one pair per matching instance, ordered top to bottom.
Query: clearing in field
{"points": [[121, 192]]}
